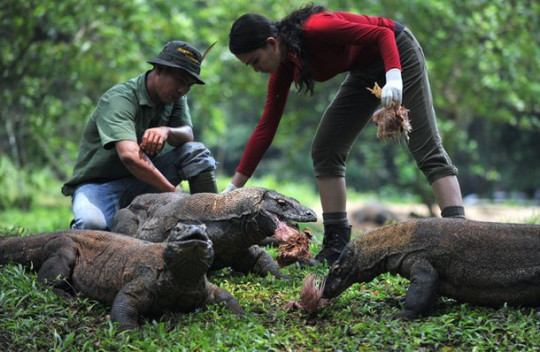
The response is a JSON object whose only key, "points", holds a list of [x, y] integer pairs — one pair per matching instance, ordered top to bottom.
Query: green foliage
{"points": [[62, 56], [59, 57], [21, 188], [31, 200], [47, 216], [33, 318]]}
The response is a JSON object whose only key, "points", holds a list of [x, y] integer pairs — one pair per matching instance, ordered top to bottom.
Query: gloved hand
{"points": [[393, 89], [229, 188]]}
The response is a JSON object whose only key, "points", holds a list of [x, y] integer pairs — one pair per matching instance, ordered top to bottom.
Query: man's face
{"points": [[173, 83]]}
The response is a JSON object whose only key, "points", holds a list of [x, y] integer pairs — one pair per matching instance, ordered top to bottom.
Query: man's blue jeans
{"points": [[95, 204]]}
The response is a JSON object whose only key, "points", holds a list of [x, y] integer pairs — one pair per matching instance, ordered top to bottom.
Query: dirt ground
{"points": [[486, 212], [364, 216]]}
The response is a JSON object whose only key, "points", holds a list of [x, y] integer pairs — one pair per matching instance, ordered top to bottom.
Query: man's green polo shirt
{"points": [[124, 112]]}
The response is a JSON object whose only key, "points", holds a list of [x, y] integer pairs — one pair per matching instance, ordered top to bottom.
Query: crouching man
{"points": [[140, 140]]}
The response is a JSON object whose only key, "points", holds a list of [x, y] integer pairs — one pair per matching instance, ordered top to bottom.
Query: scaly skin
{"points": [[143, 208], [236, 222], [485, 263], [135, 277]]}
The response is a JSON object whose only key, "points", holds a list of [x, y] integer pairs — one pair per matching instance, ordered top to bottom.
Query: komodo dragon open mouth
{"points": [[287, 221], [281, 227], [188, 235], [293, 244]]}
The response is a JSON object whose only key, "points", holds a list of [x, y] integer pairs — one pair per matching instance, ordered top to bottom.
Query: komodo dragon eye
{"points": [[281, 202], [335, 269]]}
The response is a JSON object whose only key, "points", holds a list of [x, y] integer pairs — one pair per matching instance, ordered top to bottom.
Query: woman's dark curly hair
{"points": [[250, 31]]}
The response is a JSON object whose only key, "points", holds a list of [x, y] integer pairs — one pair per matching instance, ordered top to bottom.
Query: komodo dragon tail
{"points": [[25, 250]]}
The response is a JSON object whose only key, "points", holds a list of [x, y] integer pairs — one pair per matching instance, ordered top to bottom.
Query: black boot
{"points": [[205, 182], [335, 239]]}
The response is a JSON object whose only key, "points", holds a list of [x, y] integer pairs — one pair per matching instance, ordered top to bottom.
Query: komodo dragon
{"points": [[144, 206], [235, 221], [485, 263], [134, 276]]}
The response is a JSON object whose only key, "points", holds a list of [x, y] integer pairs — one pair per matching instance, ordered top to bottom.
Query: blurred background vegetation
{"points": [[59, 57]]}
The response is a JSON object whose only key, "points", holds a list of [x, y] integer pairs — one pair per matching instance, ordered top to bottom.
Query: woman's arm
{"points": [[263, 135]]}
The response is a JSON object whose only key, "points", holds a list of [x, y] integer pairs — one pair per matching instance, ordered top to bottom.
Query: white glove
{"points": [[393, 89], [229, 188]]}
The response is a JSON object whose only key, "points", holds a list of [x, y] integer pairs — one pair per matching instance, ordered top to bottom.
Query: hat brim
{"points": [[169, 64]]}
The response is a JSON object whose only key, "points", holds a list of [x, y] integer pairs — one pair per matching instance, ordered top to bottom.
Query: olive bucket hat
{"points": [[179, 54]]}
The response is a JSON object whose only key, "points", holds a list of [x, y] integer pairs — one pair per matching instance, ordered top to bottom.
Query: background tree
{"points": [[58, 58]]}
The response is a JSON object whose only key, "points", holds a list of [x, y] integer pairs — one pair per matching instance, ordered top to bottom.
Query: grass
{"points": [[33, 318]]}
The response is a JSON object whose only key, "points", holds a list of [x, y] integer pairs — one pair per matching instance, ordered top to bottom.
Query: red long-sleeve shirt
{"points": [[335, 42]]}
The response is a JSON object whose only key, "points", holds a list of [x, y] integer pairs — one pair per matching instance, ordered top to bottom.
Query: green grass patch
{"points": [[33, 318]]}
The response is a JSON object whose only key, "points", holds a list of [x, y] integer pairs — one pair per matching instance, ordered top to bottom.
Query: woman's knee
{"points": [[432, 159], [325, 164]]}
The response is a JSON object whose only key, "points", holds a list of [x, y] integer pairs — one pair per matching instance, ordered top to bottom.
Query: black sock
{"points": [[454, 211]]}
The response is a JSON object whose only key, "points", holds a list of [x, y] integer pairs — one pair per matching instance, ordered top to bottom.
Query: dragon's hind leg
{"points": [[57, 269]]}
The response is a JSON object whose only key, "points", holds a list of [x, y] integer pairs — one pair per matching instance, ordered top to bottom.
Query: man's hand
{"points": [[393, 89], [154, 139], [140, 165]]}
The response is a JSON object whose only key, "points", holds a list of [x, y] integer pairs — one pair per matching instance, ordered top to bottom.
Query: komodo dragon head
{"points": [[285, 208], [265, 211], [188, 246], [352, 266]]}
